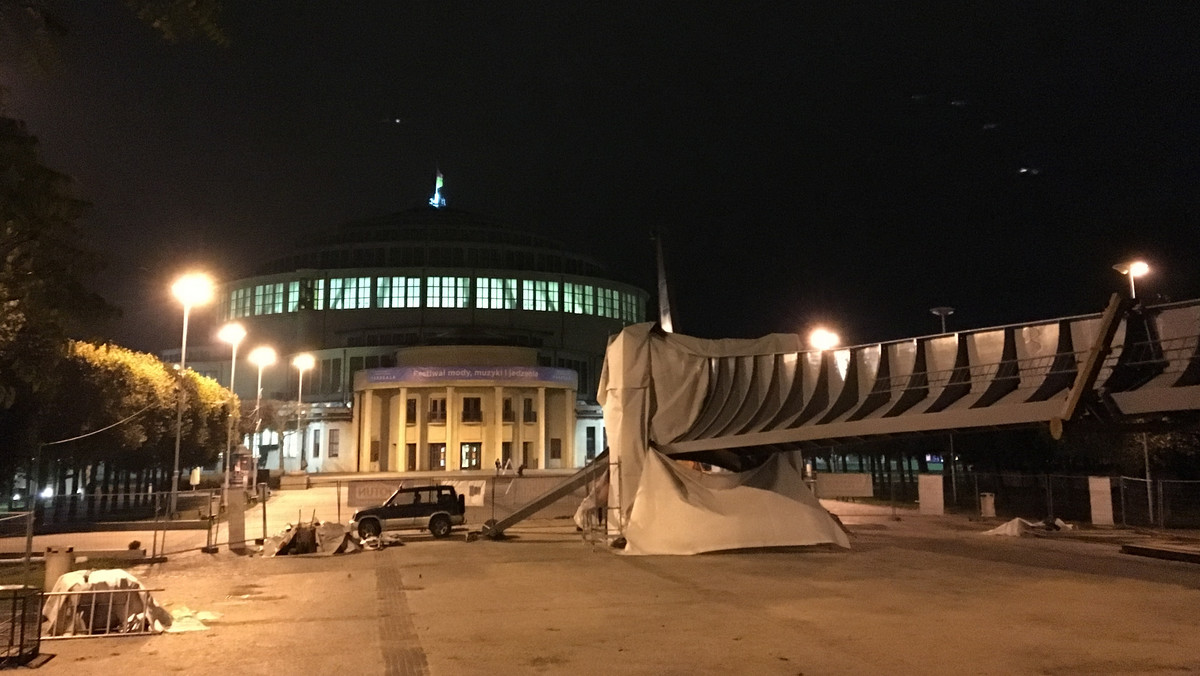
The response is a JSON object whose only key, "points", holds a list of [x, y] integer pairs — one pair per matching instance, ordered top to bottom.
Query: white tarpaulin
{"points": [[652, 390], [679, 510], [119, 605]]}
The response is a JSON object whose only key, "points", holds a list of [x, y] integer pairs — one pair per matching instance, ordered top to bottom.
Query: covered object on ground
{"points": [[652, 391], [122, 606]]}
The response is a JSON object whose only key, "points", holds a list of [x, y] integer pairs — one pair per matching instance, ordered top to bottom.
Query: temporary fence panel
{"points": [[1178, 503], [99, 613], [20, 621]]}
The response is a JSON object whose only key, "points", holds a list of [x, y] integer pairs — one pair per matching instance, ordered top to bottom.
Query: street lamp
{"points": [[1132, 269], [191, 289], [942, 312], [233, 334], [823, 339], [260, 356], [302, 362]]}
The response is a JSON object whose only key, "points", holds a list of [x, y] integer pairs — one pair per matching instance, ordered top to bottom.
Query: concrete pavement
{"points": [[927, 595]]}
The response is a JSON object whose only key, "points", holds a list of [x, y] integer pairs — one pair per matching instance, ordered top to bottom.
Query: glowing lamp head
{"points": [[1133, 268], [193, 289], [232, 333], [823, 339], [262, 356], [304, 362]]}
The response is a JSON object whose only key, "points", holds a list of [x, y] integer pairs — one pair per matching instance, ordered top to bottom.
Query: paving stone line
{"points": [[402, 653]]}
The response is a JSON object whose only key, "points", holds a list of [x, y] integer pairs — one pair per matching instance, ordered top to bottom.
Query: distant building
{"points": [[442, 340]]}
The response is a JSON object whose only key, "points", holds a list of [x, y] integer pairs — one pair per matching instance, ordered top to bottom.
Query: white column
{"points": [[497, 427], [402, 435], [541, 440], [568, 442], [453, 461]]}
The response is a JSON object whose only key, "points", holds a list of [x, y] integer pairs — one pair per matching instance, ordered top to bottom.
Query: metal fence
{"points": [[1160, 503], [98, 613], [20, 622]]}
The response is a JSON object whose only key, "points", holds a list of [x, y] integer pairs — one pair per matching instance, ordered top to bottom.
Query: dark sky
{"points": [[841, 162]]}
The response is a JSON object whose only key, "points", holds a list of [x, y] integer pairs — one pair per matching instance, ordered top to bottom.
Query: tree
{"points": [[42, 294]]}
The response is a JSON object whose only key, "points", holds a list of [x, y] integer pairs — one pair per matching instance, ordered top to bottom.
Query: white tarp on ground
{"points": [[652, 390], [678, 510], [125, 610]]}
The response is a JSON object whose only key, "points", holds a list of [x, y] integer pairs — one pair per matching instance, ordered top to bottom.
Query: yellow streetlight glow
{"points": [[1138, 268], [192, 289], [232, 334], [823, 339], [262, 356], [304, 361]]}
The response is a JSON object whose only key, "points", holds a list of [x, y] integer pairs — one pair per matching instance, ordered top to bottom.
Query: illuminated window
{"points": [[398, 292], [448, 292], [349, 293], [495, 294], [527, 294], [544, 295], [293, 298], [577, 298], [606, 303], [589, 306], [335, 442], [470, 455], [437, 456]]}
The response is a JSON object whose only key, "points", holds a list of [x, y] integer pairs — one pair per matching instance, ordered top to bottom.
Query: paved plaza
{"points": [[918, 595]]}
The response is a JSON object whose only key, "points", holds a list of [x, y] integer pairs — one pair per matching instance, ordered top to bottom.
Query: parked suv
{"points": [[436, 508]]}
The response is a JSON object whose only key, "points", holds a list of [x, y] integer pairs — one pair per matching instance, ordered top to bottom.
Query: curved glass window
{"points": [[397, 292], [448, 292], [495, 293]]}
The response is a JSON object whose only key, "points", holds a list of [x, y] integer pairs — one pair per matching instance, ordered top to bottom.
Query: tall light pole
{"points": [[1132, 269], [191, 290], [942, 312], [233, 334], [261, 357], [302, 362]]}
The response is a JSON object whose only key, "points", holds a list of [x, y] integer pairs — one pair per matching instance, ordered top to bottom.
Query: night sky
{"points": [[839, 162]]}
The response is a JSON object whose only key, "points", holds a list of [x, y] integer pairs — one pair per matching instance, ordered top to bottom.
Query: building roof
{"points": [[434, 237]]}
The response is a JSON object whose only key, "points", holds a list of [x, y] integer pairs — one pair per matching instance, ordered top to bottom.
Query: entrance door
{"points": [[470, 455], [437, 456]]}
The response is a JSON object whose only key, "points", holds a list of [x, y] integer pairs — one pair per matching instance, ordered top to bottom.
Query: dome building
{"points": [[442, 340]]}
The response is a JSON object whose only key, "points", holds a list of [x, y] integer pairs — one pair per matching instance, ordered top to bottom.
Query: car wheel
{"points": [[439, 526], [368, 529]]}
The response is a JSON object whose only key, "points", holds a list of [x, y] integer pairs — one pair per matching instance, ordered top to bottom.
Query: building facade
{"points": [[383, 305]]}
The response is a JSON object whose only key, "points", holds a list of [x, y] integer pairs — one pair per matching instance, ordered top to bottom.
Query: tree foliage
{"points": [[119, 407]]}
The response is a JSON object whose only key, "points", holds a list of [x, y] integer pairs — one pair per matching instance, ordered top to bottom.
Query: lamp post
{"points": [[1132, 269], [191, 289], [942, 312], [233, 334], [261, 357], [302, 362]]}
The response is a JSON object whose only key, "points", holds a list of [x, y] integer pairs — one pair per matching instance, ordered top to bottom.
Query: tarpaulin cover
{"points": [[652, 389], [679, 510], [124, 610]]}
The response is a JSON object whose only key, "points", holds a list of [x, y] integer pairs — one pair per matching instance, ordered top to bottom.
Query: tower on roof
{"points": [[437, 200]]}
